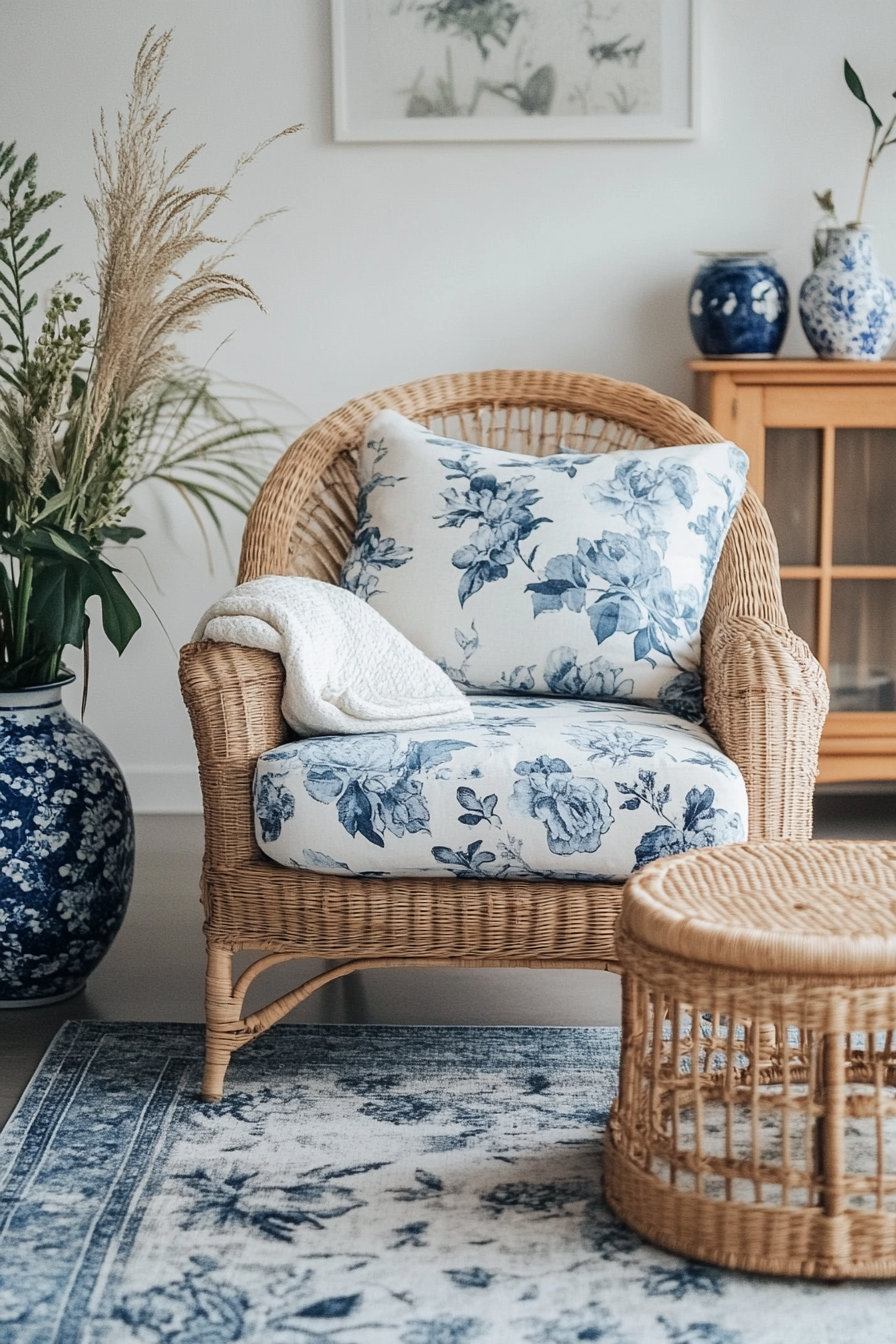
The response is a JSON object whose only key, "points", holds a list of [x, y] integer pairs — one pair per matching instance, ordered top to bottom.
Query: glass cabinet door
{"points": [[820, 436], [793, 472], [793, 492], [831, 497], [864, 497], [801, 604], [862, 662], [862, 669]]}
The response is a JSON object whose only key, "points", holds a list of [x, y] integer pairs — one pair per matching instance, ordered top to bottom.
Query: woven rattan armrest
{"points": [[233, 697], [766, 701]]}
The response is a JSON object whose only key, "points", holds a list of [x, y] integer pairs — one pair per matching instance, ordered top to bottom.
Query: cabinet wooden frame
{"points": [[743, 399]]}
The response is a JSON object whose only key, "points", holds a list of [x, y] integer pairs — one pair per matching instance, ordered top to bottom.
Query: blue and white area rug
{"points": [[359, 1185]]}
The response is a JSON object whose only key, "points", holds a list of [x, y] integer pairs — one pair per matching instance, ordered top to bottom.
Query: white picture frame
{"points": [[443, 70]]}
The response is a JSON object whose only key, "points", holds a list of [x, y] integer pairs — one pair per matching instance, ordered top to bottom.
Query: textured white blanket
{"points": [[347, 669]]}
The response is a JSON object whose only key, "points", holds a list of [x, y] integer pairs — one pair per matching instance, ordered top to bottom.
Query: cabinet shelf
{"points": [[821, 439]]}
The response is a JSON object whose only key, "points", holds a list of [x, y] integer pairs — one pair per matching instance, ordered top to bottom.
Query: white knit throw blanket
{"points": [[347, 669]]}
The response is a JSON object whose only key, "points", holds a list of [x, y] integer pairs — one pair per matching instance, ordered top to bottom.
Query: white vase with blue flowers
{"points": [[847, 305]]}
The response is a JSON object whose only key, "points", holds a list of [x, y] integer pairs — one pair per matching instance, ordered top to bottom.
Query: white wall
{"points": [[404, 260]]}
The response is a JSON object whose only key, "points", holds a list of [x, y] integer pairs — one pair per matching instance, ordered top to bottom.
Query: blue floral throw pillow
{"points": [[575, 574]]}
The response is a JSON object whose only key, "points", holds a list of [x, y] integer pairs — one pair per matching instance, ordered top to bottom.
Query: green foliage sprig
{"points": [[881, 138], [18, 254], [86, 418]]}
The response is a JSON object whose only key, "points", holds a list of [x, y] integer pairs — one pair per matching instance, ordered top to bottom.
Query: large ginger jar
{"points": [[738, 306], [66, 849]]}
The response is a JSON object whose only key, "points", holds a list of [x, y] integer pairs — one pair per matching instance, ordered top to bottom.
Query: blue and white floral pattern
{"points": [[847, 304], [738, 305], [501, 514], [370, 551], [577, 574], [375, 782], [534, 788], [66, 849], [401, 1185]]}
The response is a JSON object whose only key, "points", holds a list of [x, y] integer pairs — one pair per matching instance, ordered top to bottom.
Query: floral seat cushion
{"points": [[574, 574], [552, 788]]}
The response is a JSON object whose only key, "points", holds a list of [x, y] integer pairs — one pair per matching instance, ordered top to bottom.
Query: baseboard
{"points": [[161, 789]]}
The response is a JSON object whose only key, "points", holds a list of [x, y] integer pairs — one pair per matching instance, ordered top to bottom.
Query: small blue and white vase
{"points": [[847, 304], [738, 306], [66, 848]]}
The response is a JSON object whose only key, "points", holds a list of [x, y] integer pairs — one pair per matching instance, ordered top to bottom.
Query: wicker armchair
{"points": [[766, 699]]}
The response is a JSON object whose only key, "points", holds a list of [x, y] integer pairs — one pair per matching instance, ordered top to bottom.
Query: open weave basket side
{"points": [[756, 1110]]}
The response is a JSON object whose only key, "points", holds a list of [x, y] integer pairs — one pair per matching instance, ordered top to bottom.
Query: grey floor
{"points": [[155, 969]]}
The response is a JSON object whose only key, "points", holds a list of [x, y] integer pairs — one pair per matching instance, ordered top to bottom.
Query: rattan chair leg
{"points": [[224, 1028], [227, 1030]]}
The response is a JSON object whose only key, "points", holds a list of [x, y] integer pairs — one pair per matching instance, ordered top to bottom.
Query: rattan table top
{"points": [[822, 908]]}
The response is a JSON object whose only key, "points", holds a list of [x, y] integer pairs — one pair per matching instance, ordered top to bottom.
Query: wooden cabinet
{"points": [[821, 438]]}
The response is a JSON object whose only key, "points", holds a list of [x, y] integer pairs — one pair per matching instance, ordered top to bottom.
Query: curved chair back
{"points": [[304, 518]]}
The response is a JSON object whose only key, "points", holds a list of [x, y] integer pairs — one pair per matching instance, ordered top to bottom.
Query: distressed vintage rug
{"points": [[359, 1185]]}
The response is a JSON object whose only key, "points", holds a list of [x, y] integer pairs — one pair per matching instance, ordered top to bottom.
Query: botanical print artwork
{"points": [[509, 58], [573, 574], [533, 789], [409, 1185]]}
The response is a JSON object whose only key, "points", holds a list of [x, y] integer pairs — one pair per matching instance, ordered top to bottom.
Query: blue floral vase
{"points": [[847, 304], [738, 306], [66, 848]]}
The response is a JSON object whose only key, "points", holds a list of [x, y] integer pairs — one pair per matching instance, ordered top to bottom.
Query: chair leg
{"points": [[222, 1014], [226, 1029]]}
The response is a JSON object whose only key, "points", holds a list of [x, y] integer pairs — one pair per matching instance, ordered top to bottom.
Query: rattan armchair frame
{"points": [[766, 699]]}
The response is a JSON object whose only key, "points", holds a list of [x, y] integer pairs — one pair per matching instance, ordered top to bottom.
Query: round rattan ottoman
{"points": [[755, 1125]]}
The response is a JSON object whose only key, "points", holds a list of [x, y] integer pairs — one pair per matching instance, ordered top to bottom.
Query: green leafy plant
{"points": [[881, 138], [87, 416]]}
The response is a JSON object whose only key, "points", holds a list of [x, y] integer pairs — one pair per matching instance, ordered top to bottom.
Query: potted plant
{"points": [[847, 305], [87, 414]]}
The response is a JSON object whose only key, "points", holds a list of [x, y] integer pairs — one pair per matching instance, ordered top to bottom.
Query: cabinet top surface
{"points": [[799, 370]]}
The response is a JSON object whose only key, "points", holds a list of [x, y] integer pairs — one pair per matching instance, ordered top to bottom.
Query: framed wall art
{"points": [[515, 69]]}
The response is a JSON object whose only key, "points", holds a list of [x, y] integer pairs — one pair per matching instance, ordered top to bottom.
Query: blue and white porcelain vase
{"points": [[847, 304], [738, 306], [66, 848]]}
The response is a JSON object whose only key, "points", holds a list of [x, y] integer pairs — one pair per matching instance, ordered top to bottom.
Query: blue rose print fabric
{"points": [[577, 574], [534, 788]]}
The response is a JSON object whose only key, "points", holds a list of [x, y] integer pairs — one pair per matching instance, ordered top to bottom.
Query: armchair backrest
{"points": [[304, 518]]}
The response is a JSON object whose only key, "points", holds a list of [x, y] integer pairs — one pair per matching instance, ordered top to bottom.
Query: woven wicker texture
{"points": [[766, 701], [828, 908], [755, 1125]]}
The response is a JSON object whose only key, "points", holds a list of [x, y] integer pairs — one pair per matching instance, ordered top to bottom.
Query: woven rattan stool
{"points": [[755, 1125]]}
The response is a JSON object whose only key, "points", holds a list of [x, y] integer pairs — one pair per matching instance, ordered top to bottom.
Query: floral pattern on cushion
{"points": [[575, 574], [534, 788]]}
